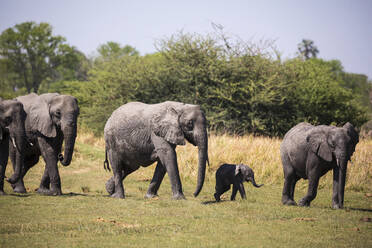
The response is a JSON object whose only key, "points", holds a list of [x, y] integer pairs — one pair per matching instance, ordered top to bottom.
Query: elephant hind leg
{"points": [[290, 179], [156, 181], [110, 184], [293, 186], [220, 189], [311, 192]]}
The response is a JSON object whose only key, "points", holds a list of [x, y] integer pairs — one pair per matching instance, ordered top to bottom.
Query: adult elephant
{"points": [[51, 119], [12, 130], [139, 134], [309, 152]]}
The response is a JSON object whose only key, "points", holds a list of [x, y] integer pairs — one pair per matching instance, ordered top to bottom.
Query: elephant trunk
{"points": [[18, 140], [69, 140], [202, 143], [342, 164], [253, 181]]}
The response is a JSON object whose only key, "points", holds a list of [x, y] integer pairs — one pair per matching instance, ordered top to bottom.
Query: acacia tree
{"points": [[308, 49], [34, 54]]}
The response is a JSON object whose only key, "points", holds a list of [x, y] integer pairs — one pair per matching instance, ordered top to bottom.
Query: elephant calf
{"points": [[233, 174]]}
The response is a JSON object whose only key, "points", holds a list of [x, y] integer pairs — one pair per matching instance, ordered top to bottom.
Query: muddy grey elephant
{"points": [[51, 120], [12, 132], [139, 134], [309, 152], [231, 174]]}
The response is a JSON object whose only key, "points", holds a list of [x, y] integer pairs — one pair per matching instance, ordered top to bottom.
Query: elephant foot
{"points": [[11, 180], [110, 187], [19, 189], [42, 190], [49, 192], [118, 195], [150, 195], [178, 196], [217, 197], [289, 202], [304, 203], [337, 206]]}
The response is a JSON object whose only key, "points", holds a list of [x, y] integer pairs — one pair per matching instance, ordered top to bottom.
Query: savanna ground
{"points": [[85, 217]]}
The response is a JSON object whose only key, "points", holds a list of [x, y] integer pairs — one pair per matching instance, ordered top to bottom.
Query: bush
{"points": [[241, 87]]}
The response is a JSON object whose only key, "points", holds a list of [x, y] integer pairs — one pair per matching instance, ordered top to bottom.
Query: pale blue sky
{"points": [[341, 29]]}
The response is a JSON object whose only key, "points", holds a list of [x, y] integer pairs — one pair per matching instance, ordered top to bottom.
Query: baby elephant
{"points": [[233, 174]]}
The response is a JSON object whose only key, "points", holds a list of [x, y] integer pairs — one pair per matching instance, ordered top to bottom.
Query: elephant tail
{"points": [[106, 164]]}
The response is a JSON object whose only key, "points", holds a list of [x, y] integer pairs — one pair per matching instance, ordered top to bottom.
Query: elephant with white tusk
{"points": [[51, 120], [12, 132], [309, 152]]}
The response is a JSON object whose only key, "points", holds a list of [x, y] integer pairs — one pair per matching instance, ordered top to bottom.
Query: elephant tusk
{"points": [[14, 144], [338, 162]]}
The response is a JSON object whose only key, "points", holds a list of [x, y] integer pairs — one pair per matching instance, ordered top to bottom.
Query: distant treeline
{"points": [[242, 87]]}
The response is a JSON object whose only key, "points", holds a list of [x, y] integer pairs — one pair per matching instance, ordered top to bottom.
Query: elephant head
{"points": [[57, 112], [12, 121], [185, 122], [336, 145], [247, 174]]}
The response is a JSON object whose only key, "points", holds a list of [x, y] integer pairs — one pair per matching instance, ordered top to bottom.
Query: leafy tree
{"points": [[308, 49], [112, 50], [34, 55]]}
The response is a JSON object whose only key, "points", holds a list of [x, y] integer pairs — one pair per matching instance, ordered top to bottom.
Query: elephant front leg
{"points": [[167, 156], [51, 168], [156, 181], [45, 183], [338, 188], [234, 191], [242, 191], [335, 201]]}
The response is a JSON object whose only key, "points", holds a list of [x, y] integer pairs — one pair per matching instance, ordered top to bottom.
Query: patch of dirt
{"points": [[304, 219], [366, 219], [117, 223]]}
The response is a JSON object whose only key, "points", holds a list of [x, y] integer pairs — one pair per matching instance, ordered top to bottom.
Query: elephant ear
{"points": [[40, 119], [166, 125], [319, 145], [237, 169]]}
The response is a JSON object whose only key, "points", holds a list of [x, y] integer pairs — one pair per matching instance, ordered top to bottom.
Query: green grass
{"points": [[85, 217]]}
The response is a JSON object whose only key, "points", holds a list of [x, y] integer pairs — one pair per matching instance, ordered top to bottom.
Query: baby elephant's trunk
{"points": [[254, 182]]}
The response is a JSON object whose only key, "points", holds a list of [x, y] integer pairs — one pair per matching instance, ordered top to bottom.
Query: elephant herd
{"points": [[138, 134]]}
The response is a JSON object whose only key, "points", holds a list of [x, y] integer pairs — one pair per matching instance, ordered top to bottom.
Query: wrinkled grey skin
{"points": [[51, 120], [12, 132], [139, 134], [309, 152], [231, 174]]}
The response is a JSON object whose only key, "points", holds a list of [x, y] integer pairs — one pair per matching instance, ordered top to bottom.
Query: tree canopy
{"points": [[307, 49], [33, 55]]}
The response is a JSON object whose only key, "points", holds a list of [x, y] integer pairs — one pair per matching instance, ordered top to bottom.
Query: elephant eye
{"points": [[57, 113], [7, 120], [190, 124]]}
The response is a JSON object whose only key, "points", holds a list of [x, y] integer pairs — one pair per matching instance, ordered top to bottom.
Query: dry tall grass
{"points": [[261, 154]]}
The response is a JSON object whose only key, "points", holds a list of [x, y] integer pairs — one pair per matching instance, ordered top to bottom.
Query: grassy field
{"points": [[85, 217]]}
